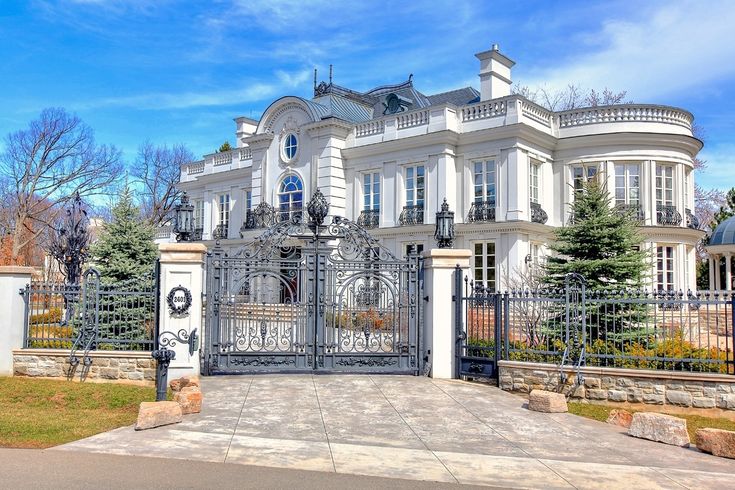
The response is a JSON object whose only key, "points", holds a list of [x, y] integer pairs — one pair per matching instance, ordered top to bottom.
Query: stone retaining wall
{"points": [[107, 366], [623, 385]]}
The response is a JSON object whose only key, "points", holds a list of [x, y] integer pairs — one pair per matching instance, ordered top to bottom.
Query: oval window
{"points": [[290, 146]]}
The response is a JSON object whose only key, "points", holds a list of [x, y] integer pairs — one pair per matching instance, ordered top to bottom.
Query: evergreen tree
{"points": [[224, 147], [602, 244], [125, 250], [125, 256]]}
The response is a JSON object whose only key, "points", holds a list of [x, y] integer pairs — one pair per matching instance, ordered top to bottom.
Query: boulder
{"points": [[180, 383], [190, 399], [547, 401], [156, 414], [623, 418], [659, 427], [717, 442]]}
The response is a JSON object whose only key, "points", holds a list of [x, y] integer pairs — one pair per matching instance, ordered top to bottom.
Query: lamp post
{"points": [[184, 220], [444, 233]]}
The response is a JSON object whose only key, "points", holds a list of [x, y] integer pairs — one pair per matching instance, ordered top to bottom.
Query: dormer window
{"points": [[394, 104]]}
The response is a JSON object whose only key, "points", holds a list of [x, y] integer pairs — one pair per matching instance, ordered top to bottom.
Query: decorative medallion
{"points": [[179, 300]]}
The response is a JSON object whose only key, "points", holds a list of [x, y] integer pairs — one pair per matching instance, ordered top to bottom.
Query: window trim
{"points": [[285, 145], [533, 164], [371, 175], [626, 183], [486, 185], [414, 201], [662, 269], [490, 283]]}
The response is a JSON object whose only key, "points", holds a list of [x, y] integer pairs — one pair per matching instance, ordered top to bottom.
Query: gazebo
{"points": [[721, 245]]}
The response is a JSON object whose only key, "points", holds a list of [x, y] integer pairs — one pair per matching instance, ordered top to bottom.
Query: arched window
{"points": [[290, 197]]}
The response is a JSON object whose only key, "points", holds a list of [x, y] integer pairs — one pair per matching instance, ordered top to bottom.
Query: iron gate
{"points": [[305, 296]]}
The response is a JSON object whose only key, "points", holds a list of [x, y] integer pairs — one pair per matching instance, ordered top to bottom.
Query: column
{"points": [[711, 261], [182, 265], [717, 272], [728, 272], [12, 280], [439, 322]]}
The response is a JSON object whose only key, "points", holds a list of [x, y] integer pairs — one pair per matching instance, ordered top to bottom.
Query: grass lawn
{"points": [[40, 413], [694, 422]]}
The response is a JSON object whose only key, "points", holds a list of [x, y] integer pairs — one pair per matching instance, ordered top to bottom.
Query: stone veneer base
{"points": [[107, 366], [674, 389]]}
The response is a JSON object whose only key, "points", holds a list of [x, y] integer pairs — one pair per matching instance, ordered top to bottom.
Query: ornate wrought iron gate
{"points": [[305, 296]]}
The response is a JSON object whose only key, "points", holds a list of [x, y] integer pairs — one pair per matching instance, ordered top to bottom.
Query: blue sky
{"points": [[179, 71]]}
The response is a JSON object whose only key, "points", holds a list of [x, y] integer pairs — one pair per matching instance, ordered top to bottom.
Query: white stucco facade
{"points": [[506, 166]]}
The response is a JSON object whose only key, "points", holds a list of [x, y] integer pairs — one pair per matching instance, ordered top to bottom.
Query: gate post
{"points": [[182, 271], [13, 279], [439, 322]]}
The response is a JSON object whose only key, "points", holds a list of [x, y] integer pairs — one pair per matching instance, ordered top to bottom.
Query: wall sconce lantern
{"points": [[184, 220], [444, 233]]}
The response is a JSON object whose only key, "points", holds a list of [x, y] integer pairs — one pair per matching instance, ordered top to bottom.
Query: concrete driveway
{"points": [[413, 428]]}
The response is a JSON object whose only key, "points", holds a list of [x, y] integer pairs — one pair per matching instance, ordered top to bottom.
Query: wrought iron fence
{"points": [[92, 315], [661, 330]]}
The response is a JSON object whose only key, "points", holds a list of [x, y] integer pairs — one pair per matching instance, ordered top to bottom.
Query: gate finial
{"points": [[318, 208]]}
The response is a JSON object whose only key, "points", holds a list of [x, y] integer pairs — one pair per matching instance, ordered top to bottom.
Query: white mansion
{"points": [[508, 168]]}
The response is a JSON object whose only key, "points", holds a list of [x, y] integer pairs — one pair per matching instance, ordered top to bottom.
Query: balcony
{"points": [[481, 211], [635, 211], [411, 215], [538, 215], [667, 215], [369, 218], [691, 219], [220, 232]]}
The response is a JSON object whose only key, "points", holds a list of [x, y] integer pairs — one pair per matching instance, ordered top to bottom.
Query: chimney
{"points": [[494, 73]]}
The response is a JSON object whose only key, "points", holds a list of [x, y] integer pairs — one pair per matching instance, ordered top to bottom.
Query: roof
{"points": [[459, 97], [724, 234]]}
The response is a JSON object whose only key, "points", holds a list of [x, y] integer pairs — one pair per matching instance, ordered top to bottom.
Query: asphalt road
{"points": [[34, 468]]}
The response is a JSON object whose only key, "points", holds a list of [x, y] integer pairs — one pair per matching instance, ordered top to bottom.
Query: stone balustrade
{"points": [[625, 113], [411, 119]]}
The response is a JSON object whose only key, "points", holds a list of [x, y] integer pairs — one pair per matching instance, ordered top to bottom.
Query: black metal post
{"points": [[497, 305], [458, 324], [732, 329], [163, 357]]}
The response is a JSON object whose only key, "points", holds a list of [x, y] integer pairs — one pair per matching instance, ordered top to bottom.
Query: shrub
{"points": [[52, 316]]}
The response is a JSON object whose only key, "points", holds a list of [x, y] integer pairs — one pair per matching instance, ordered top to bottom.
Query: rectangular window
{"points": [[581, 174], [484, 181], [534, 182], [627, 184], [664, 185], [415, 186], [371, 191], [248, 200], [224, 209], [198, 214], [418, 247], [535, 254], [484, 264], [665, 268]]}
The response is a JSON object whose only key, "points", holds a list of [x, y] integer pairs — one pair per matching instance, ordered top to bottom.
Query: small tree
{"points": [[225, 147], [602, 244], [125, 250], [125, 255]]}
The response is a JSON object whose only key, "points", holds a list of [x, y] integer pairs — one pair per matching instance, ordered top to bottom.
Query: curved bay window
{"points": [[290, 197]]}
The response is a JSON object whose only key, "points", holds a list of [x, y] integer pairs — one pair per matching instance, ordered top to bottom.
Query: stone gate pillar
{"points": [[182, 265], [12, 324], [441, 338]]}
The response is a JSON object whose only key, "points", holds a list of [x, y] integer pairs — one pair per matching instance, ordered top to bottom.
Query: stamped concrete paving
{"points": [[412, 428]]}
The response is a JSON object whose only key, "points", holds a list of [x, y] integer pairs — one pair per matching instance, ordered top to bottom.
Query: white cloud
{"points": [[666, 50], [720, 171]]}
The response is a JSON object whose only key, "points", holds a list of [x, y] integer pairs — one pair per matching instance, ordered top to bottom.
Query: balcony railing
{"points": [[481, 211], [635, 211], [411, 215], [538, 215], [667, 215], [369, 218], [691, 219], [220, 232]]}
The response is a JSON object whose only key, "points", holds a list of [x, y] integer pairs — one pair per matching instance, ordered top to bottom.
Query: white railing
{"points": [[485, 110], [536, 113], [625, 113], [411, 119], [369, 128], [246, 154], [224, 158], [195, 167]]}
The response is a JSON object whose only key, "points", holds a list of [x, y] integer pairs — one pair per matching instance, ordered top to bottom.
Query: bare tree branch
{"points": [[46, 165], [156, 170]]}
